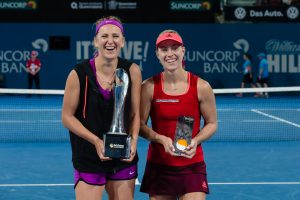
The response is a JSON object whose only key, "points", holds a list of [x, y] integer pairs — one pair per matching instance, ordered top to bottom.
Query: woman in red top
{"points": [[165, 97]]}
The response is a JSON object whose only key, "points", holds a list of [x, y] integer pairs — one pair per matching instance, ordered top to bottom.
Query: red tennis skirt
{"points": [[174, 180]]}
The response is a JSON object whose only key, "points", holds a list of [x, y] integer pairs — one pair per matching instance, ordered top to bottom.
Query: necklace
{"points": [[109, 81]]}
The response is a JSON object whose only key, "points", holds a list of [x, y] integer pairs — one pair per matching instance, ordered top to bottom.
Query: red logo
{"points": [[169, 35], [204, 185]]}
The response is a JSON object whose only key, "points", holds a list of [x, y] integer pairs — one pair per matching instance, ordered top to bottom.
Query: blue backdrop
{"points": [[214, 51]]}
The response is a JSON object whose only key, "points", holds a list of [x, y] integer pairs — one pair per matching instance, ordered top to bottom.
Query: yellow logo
{"points": [[31, 4], [181, 144]]}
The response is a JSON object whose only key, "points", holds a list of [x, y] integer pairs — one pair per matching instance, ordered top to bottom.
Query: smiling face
{"points": [[109, 41], [170, 54]]}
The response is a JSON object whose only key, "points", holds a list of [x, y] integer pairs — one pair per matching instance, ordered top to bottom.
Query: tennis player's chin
{"points": [[111, 55], [171, 68]]}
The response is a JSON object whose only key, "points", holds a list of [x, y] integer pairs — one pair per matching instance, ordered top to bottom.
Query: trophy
{"points": [[183, 133], [117, 141]]}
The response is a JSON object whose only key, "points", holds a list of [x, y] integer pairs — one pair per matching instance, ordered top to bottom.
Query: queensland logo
{"points": [[86, 5], [119, 5]]}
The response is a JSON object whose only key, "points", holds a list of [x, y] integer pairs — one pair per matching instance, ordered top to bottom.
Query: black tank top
{"points": [[95, 113]]}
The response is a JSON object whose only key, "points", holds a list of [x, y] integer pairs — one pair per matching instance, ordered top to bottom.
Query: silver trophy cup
{"points": [[117, 141]]}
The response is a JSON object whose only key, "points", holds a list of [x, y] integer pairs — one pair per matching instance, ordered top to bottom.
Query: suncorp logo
{"points": [[21, 4], [13, 5], [185, 5], [216, 61]]}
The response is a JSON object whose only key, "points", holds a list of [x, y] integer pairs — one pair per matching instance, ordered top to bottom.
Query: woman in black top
{"points": [[87, 113]]}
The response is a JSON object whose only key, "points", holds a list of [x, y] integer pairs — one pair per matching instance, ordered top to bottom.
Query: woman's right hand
{"points": [[168, 144], [99, 145]]}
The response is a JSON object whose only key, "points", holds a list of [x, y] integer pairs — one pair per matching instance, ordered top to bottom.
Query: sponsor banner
{"points": [[18, 4], [78, 5], [103, 5], [117, 5], [196, 5], [87, 11], [256, 14], [213, 52]]}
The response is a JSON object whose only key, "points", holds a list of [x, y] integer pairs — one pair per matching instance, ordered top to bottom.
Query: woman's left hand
{"points": [[132, 150], [190, 150]]}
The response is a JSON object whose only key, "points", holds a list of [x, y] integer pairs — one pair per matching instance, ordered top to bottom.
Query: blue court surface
{"points": [[255, 154]]}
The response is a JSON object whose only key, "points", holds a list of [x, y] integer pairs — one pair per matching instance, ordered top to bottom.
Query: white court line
{"points": [[224, 109], [280, 109], [28, 110], [274, 117], [30, 121], [263, 121], [138, 183], [257, 183], [37, 185]]}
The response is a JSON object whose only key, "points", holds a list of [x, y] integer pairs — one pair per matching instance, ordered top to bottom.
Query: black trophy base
{"points": [[116, 145]]}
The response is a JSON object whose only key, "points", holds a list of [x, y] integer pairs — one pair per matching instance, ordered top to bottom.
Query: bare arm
{"points": [[27, 68], [38, 68], [136, 81], [146, 98], [70, 104], [207, 106], [208, 110], [145, 131]]}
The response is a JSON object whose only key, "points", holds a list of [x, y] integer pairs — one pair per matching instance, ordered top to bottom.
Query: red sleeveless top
{"points": [[165, 110]]}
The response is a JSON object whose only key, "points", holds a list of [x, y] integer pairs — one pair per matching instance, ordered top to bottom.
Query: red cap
{"points": [[168, 36], [34, 53]]}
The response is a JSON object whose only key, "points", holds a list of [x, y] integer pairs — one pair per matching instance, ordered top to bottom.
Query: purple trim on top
{"points": [[109, 21], [107, 94]]}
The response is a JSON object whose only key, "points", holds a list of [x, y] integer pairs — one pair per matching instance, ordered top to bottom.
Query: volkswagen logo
{"points": [[240, 13]]}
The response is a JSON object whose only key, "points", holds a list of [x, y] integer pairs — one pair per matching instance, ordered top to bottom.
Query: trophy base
{"points": [[117, 145]]}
